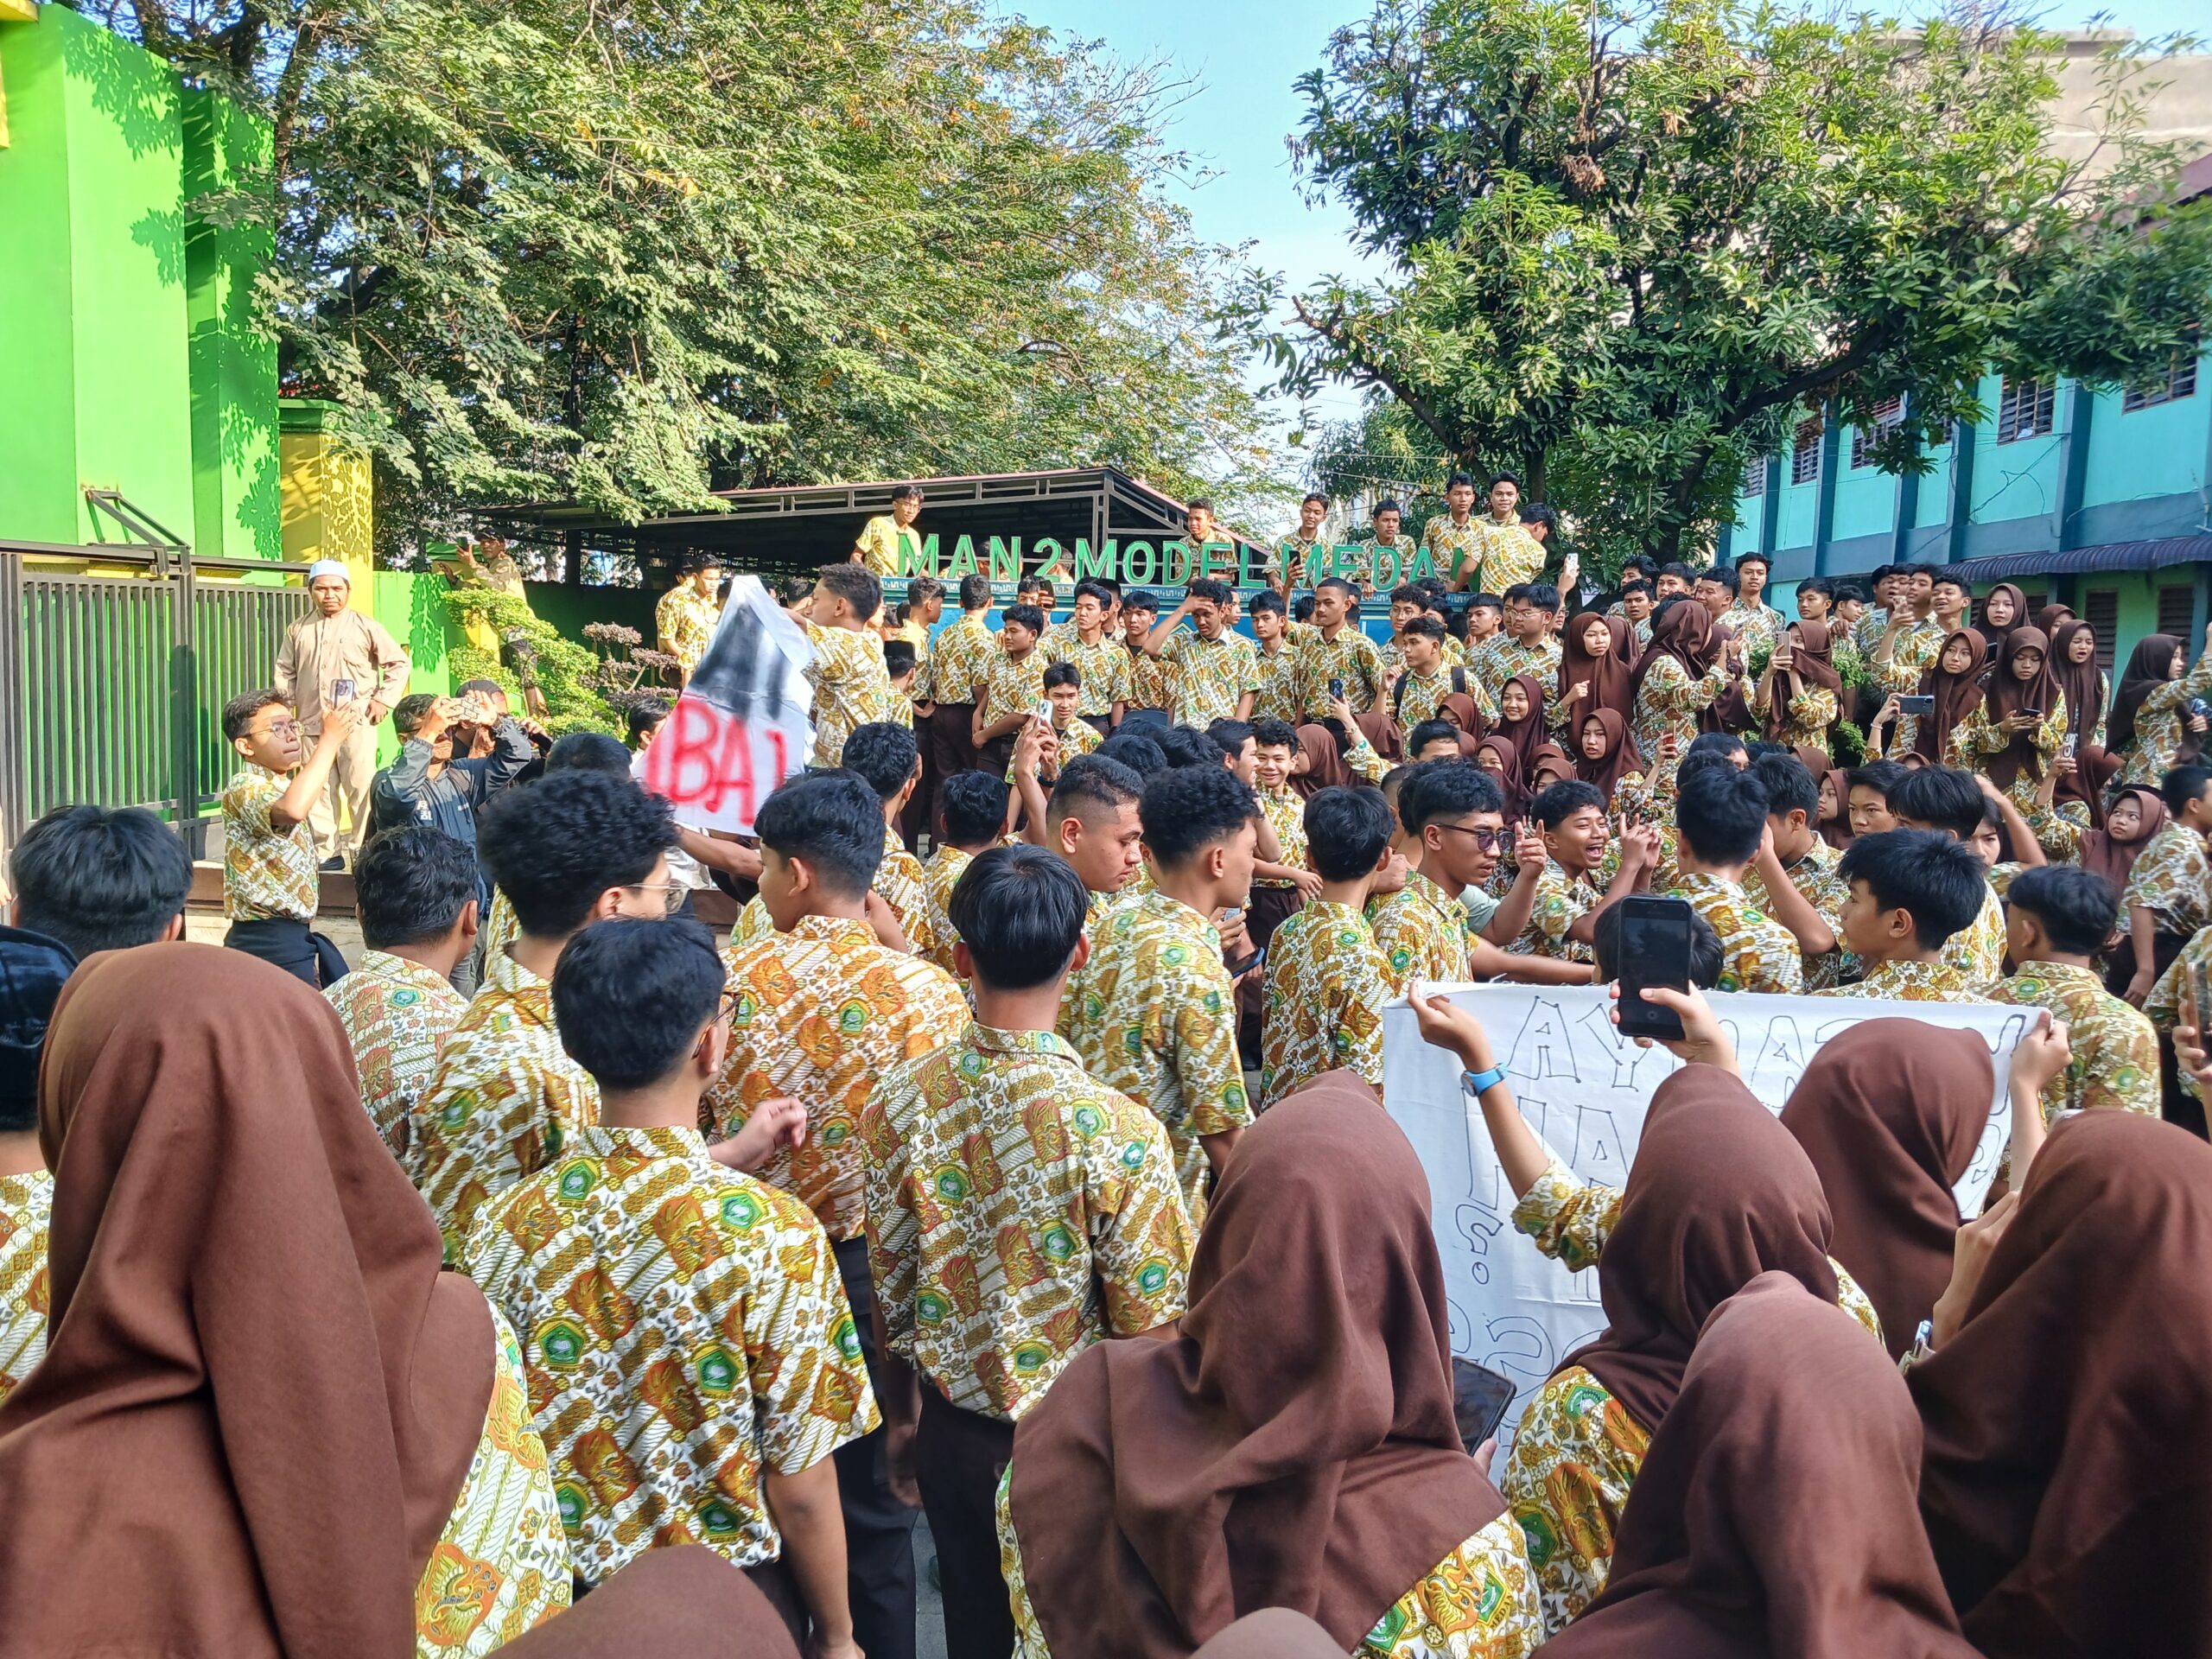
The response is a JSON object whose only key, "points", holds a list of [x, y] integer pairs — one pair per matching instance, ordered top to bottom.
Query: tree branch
{"points": [[1332, 329]]}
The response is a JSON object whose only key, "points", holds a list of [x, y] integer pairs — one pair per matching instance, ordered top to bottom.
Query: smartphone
{"points": [[340, 691], [1336, 691], [1917, 705], [1042, 714], [2033, 714], [2067, 748], [1654, 951], [1238, 970], [2195, 970], [1479, 1397]]}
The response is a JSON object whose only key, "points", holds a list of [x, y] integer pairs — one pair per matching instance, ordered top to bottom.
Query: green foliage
{"points": [[1633, 247], [630, 251], [569, 674], [1847, 746]]}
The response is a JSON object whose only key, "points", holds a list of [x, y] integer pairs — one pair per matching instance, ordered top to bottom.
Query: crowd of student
{"points": [[557, 1235]]}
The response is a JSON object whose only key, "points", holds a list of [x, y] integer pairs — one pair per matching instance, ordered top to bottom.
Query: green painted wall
{"points": [[114, 295]]}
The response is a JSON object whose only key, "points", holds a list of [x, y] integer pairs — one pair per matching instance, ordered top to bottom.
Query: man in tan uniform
{"points": [[330, 656]]}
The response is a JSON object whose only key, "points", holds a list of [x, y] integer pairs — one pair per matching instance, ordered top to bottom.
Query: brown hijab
{"points": [[2049, 618], [1685, 633], [1993, 634], [2149, 665], [1810, 668], [1608, 673], [2084, 686], [1956, 696], [2007, 696], [1458, 708], [1527, 733], [1383, 734], [1620, 750], [1548, 757], [1813, 761], [1325, 762], [1510, 782], [1836, 830], [2114, 859], [1889, 1112], [1718, 1194], [260, 1396], [1294, 1446], [2068, 1482], [1774, 1518], [687, 1601]]}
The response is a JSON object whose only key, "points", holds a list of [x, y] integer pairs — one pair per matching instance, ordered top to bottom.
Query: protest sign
{"points": [[741, 726], [1585, 1089]]}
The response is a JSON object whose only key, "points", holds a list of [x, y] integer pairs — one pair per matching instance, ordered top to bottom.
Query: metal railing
{"points": [[112, 680]]}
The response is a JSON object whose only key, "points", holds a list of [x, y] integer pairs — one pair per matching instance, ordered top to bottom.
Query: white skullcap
{"points": [[322, 567]]}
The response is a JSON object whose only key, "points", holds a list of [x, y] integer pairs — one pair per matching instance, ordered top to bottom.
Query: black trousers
{"points": [[283, 942], [959, 1457], [879, 1529]]}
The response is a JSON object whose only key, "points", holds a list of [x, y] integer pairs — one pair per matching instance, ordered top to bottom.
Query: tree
{"points": [[1631, 248], [632, 250]]}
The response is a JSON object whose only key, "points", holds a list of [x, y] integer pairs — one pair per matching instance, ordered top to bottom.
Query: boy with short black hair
{"points": [[1637, 603], [1527, 645], [1276, 657], [900, 661], [1336, 662], [1101, 664], [1217, 673], [948, 680], [1152, 681], [851, 684], [1012, 686], [1417, 697], [643, 721], [1234, 739], [1433, 739], [1042, 750], [889, 761], [1866, 796], [1949, 800], [975, 805], [1571, 817], [1720, 818], [1092, 822], [571, 849], [98, 878], [271, 878], [1794, 878], [1279, 884], [1911, 892], [2169, 893], [415, 894], [2056, 920], [1326, 979], [822, 1010], [1153, 1012], [1019, 1212], [711, 1359]]}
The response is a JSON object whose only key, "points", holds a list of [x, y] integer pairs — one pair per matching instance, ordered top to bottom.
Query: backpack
{"points": [[1398, 693]]}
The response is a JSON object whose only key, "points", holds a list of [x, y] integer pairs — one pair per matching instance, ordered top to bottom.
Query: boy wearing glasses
{"points": [[574, 848], [270, 882], [823, 1012], [691, 1354]]}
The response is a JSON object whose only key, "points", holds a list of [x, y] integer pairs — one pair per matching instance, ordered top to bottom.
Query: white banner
{"points": [[743, 725], [1585, 1089]]}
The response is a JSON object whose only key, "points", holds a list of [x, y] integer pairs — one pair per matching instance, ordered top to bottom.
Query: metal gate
{"points": [[113, 686]]}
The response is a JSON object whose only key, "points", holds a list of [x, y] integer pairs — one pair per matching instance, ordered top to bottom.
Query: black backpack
{"points": [[1398, 693]]}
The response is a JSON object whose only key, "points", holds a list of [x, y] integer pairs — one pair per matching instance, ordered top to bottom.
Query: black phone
{"points": [[1336, 689], [1916, 705], [2033, 714], [1655, 951], [1238, 970], [1479, 1397]]}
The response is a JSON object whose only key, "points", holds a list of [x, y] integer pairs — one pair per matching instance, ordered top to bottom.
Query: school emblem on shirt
{"points": [[682, 1225], [560, 1342], [453, 1596]]}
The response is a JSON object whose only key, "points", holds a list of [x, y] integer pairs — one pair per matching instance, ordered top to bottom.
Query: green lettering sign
{"points": [[964, 559], [1006, 562], [1103, 562], [1129, 564]]}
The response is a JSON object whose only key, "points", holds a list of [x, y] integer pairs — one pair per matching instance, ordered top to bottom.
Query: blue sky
{"points": [[1245, 54]]}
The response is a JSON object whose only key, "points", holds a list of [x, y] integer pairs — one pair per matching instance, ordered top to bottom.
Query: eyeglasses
{"points": [[281, 728], [1488, 840], [672, 896]]}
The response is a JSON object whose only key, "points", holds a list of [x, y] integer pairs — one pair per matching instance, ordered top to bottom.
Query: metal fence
{"points": [[112, 686]]}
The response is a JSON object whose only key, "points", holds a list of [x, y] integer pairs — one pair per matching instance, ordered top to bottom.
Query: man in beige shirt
{"points": [[330, 656]]}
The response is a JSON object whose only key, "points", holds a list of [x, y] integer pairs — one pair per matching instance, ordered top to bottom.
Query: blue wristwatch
{"points": [[1475, 1082]]}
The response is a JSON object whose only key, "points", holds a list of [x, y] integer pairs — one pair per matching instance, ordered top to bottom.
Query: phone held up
{"points": [[341, 692], [1917, 705], [1654, 951], [1479, 1397]]}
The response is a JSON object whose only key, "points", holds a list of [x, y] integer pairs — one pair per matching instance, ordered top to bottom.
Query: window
{"points": [[2180, 382], [2024, 409], [1888, 415], [1805, 458], [1754, 478], [2176, 609], [2101, 612]]}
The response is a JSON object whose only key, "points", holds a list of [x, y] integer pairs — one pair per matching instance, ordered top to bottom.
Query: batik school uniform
{"points": [[1350, 659], [1104, 666], [1211, 676], [851, 687], [1814, 877], [271, 881], [898, 883], [1561, 902], [1421, 931], [1757, 952], [1939, 980], [1327, 981], [398, 1015], [1153, 1015], [506, 1099], [1017, 1213], [26, 1294], [688, 1337]]}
